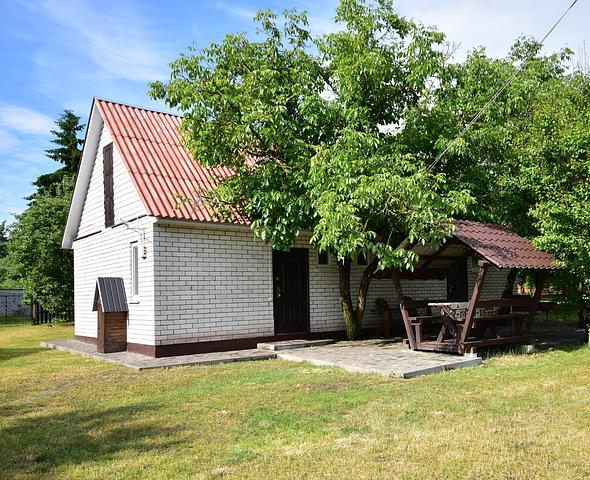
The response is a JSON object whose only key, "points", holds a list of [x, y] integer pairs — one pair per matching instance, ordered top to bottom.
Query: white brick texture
{"points": [[127, 203], [108, 254], [215, 283]]}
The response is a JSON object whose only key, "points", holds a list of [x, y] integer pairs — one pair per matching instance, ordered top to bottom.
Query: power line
{"points": [[500, 90]]}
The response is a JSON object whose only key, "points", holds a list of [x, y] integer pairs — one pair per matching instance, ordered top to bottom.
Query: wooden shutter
{"points": [[109, 206]]}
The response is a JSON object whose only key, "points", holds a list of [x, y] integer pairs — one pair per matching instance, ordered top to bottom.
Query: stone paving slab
{"points": [[291, 344], [385, 357], [142, 362]]}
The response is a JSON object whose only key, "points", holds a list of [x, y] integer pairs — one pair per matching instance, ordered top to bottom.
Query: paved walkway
{"points": [[385, 357], [389, 358], [142, 362]]}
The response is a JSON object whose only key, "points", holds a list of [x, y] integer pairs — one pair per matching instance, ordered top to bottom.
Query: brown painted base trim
{"points": [[81, 338], [242, 343], [148, 350], [173, 350]]}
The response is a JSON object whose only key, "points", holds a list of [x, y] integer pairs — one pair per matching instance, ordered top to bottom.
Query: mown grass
{"points": [[67, 417]]}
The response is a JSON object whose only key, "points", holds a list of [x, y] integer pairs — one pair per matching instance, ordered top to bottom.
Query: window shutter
{"points": [[109, 206]]}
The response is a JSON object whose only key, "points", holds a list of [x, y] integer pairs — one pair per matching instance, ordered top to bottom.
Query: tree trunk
{"points": [[353, 314]]}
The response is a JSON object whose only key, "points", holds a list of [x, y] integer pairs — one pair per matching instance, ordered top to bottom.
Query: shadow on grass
{"points": [[15, 320], [563, 344], [10, 353], [36, 445]]}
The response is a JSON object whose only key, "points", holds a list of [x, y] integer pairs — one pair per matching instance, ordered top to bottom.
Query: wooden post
{"points": [[539, 283], [477, 289], [35, 312], [405, 317]]}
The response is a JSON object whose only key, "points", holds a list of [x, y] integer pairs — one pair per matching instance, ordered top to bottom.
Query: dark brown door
{"points": [[457, 282], [291, 291]]}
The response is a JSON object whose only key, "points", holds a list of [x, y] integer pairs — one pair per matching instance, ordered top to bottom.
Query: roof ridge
{"points": [[137, 107], [489, 224]]}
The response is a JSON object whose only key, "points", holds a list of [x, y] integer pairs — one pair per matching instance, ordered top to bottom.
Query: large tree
{"points": [[311, 127], [67, 151], [555, 154], [526, 160], [35, 258], [5, 280]]}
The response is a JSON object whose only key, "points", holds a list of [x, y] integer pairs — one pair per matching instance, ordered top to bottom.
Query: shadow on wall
{"points": [[34, 446]]}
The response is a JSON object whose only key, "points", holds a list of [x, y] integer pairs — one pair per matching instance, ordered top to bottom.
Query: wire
{"points": [[500, 90]]}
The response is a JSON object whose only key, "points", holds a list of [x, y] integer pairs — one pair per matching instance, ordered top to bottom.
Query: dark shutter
{"points": [[109, 206]]}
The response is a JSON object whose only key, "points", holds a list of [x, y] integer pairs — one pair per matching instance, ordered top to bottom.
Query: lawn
{"points": [[67, 417]]}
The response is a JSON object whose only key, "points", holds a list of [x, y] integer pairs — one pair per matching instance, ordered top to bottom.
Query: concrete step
{"points": [[291, 344]]}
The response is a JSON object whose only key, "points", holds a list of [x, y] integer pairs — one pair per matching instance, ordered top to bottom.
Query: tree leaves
{"points": [[298, 118]]}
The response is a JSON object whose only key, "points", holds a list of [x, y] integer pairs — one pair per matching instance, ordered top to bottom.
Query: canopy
{"points": [[496, 244], [110, 291]]}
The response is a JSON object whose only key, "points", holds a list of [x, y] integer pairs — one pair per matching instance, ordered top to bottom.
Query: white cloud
{"points": [[236, 10], [495, 25], [117, 40], [23, 120], [7, 141]]}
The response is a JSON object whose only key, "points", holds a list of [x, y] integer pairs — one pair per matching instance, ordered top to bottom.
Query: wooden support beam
{"points": [[477, 289], [405, 315], [490, 342], [443, 347]]}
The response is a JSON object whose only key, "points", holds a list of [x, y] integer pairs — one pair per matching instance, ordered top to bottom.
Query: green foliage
{"points": [[308, 125], [67, 152], [556, 158], [526, 160], [3, 239], [35, 254], [35, 259], [5, 280]]}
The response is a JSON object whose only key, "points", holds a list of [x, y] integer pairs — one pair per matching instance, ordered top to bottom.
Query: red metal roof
{"points": [[161, 169], [501, 246]]}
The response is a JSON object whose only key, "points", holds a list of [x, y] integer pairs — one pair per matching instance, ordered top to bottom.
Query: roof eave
{"points": [[91, 139]]}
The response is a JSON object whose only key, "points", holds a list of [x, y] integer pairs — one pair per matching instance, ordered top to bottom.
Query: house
{"points": [[189, 283]]}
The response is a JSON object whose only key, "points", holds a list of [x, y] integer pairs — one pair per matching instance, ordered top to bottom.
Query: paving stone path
{"points": [[385, 357], [389, 358], [142, 362]]}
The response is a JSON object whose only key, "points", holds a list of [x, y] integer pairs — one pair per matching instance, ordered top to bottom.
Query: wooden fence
{"points": [[41, 315]]}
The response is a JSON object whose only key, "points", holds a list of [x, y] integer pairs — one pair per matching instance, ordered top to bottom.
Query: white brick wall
{"points": [[128, 205], [108, 254], [206, 283], [215, 283], [494, 283], [211, 284]]}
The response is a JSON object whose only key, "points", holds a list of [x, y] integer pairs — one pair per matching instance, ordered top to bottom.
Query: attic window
{"points": [[109, 206]]}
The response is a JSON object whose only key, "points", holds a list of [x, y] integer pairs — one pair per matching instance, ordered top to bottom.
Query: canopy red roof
{"points": [[501, 246]]}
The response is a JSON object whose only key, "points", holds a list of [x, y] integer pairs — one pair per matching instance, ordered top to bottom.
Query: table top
{"points": [[451, 305]]}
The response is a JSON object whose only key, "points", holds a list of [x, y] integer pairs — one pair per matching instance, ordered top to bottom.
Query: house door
{"points": [[457, 290], [291, 291]]}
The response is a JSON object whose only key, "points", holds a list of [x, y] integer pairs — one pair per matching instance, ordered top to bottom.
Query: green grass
{"points": [[14, 320], [67, 417]]}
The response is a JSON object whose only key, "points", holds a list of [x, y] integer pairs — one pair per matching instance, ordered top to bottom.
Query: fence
{"points": [[41, 315]]}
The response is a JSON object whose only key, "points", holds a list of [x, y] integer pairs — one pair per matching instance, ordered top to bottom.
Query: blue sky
{"points": [[58, 54]]}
